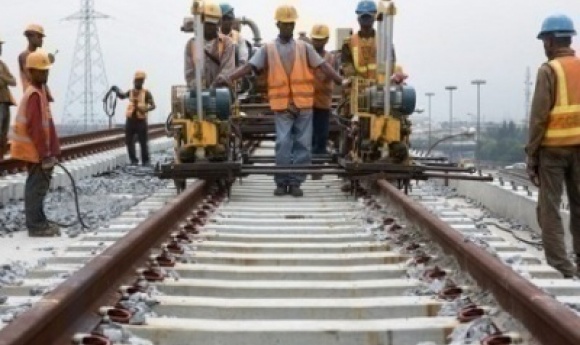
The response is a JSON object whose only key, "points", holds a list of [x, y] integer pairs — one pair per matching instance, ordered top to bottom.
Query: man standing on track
{"points": [[289, 65], [6, 101], [140, 104], [34, 140], [553, 150]]}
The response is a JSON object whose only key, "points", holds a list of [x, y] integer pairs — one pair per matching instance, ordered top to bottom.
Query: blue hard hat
{"points": [[366, 7], [227, 10], [558, 25]]}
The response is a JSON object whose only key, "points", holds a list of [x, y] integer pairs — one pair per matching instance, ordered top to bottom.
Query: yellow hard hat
{"points": [[212, 13], [286, 14], [34, 28], [320, 32], [38, 59], [140, 75]]}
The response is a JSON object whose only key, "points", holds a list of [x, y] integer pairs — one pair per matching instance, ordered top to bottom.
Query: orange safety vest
{"points": [[364, 56], [323, 86], [298, 87], [139, 98], [564, 122], [22, 147]]}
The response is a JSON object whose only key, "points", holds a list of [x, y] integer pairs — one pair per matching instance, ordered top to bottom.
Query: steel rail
{"points": [[83, 144], [72, 307], [548, 320]]}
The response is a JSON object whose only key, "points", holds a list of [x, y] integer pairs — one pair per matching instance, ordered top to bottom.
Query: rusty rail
{"points": [[82, 144], [72, 307], [547, 319]]}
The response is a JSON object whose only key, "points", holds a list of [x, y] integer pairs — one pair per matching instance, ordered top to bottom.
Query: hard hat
{"points": [[366, 7], [227, 10], [211, 12], [286, 14], [558, 25], [34, 28], [320, 32], [38, 59], [140, 75]]}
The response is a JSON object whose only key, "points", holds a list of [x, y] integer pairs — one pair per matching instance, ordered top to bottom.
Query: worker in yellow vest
{"points": [[227, 22], [34, 33], [219, 50], [290, 65], [323, 89], [6, 101], [140, 104], [34, 140], [553, 150]]}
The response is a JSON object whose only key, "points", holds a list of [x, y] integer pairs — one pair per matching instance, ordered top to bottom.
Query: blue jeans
{"points": [[320, 124], [293, 144]]}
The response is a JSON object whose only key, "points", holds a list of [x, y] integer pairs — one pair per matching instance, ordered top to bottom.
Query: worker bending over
{"points": [[227, 22], [34, 33], [219, 50], [289, 65], [323, 88], [6, 101], [140, 104], [34, 140], [553, 150]]}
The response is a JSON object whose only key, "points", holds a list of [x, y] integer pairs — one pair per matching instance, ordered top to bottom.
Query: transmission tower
{"points": [[88, 78], [528, 95]]}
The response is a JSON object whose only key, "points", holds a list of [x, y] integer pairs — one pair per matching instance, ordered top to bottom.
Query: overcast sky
{"points": [[439, 43]]}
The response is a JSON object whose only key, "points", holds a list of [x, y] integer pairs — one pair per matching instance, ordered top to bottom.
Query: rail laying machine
{"points": [[215, 130]]}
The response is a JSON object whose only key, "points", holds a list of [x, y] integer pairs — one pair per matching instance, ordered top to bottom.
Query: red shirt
{"points": [[36, 131]]}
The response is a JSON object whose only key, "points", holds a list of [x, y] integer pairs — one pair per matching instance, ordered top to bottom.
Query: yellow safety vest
{"points": [[364, 56], [138, 97], [564, 122]]}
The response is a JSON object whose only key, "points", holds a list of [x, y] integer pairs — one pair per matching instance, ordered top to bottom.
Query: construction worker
{"points": [[227, 22], [34, 33], [220, 51], [288, 64], [323, 89], [6, 101], [140, 104], [34, 140], [553, 150]]}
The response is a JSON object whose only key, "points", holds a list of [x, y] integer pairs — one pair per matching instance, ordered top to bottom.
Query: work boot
{"points": [[316, 177], [345, 188], [280, 191], [296, 191], [50, 230]]}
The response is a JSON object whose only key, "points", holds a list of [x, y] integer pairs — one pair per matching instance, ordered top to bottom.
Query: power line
{"points": [[88, 77]]}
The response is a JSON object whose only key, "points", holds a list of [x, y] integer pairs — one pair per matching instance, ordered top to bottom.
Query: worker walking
{"points": [[227, 22], [34, 33], [219, 50], [289, 65], [323, 88], [6, 101], [140, 104], [34, 140], [553, 150]]}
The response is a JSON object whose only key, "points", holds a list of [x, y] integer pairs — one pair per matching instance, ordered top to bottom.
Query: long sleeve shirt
{"points": [[212, 69], [6, 80], [542, 105], [36, 130]]}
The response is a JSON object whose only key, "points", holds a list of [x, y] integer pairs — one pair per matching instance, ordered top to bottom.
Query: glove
{"points": [[399, 77], [346, 83], [49, 163], [533, 174]]}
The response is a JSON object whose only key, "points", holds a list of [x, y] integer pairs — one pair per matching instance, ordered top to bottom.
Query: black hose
{"points": [[110, 102]]}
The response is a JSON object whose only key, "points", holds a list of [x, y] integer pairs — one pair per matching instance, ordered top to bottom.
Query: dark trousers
{"points": [[320, 125], [4, 127], [137, 127], [559, 166], [35, 190]]}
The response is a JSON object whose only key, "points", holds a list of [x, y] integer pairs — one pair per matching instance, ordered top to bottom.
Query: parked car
{"points": [[517, 166]]}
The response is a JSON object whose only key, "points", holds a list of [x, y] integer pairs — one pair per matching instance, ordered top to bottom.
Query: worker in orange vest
{"points": [[34, 33], [290, 66], [6, 101], [140, 104], [34, 140], [553, 150]]}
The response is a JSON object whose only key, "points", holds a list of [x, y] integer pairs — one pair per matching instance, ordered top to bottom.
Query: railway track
{"points": [[84, 144], [326, 268]]}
